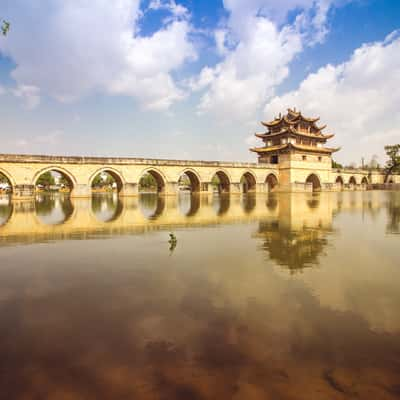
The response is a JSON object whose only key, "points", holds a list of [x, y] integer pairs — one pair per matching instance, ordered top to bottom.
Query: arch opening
{"points": [[54, 181], [106, 181], [189, 181], [314, 181], [364, 181], [151, 182], [220, 182], [248, 182], [271, 182], [339, 182], [352, 182], [5, 185]]}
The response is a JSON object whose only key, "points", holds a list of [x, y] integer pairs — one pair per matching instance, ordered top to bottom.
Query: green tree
{"points": [[5, 27], [393, 164], [336, 165], [46, 179], [97, 181], [148, 181]]}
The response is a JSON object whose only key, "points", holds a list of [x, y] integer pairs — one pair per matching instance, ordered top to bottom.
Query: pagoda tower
{"points": [[297, 144]]}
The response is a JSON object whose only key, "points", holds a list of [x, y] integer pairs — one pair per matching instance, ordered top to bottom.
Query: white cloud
{"points": [[177, 10], [71, 48], [257, 48], [29, 94], [358, 99], [40, 140]]}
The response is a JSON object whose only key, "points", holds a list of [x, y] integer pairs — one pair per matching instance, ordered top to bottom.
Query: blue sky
{"points": [[192, 79]]}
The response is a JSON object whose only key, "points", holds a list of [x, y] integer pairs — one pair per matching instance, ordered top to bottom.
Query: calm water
{"points": [[268, 297]]}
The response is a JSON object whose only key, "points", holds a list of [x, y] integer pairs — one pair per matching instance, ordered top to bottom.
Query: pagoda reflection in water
{"points": [[293, 229]]}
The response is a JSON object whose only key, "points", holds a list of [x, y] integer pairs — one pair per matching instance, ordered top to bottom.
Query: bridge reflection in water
{"points": [[293, 228], [279, 296]]}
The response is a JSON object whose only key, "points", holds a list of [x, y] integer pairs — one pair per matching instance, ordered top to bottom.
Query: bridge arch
{"points": [[60, 170], [116, 175], [8, 177], [159, 178], [194, 178], [221, 179], [71, 180], [314, 180], [364, 181], [248, 182], [271, 182], [339, 182], [352, 182]]}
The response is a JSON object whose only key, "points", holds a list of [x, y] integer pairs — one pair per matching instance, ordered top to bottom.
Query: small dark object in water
{"points": [[172, 238], [172, 242]]}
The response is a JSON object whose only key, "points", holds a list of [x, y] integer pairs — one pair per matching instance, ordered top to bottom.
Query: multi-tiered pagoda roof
{"points": [[293, 130]]}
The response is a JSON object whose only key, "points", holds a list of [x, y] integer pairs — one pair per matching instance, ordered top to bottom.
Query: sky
{"points": [[192, 79]]}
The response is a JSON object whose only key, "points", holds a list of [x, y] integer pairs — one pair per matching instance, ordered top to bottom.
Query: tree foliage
{"points": [[5, 27], [393, 163], [336, 165], [46, 179], [148, 181]]}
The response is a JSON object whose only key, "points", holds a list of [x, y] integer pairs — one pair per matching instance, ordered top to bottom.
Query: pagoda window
{"points": [[284, 140], [269, 143], [319, 144], [304, 158], [320, 158], [274, 159]]}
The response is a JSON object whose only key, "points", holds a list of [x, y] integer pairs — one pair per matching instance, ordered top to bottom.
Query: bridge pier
{"points": [[236, 188], [130, 189], [81, 190], [23, 191]]}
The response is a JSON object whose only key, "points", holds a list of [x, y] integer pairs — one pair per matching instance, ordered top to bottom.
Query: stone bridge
{"points": [[23, 171]]}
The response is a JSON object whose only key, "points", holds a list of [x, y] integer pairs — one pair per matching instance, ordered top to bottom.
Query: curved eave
{"points": [[273, 123], [293, 131], [268, 149], [315, 149]]}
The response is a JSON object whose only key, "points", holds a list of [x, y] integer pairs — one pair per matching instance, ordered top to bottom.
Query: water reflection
{"points": [[248, 202], [189, 203], [221, 203], [151, 205], [107, 207], [6, 209], [53, 209], [393, 210], [293, 249], [219, 318]]}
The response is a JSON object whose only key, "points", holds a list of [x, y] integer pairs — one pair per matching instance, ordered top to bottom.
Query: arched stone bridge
{"points": [[23, 171]]}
